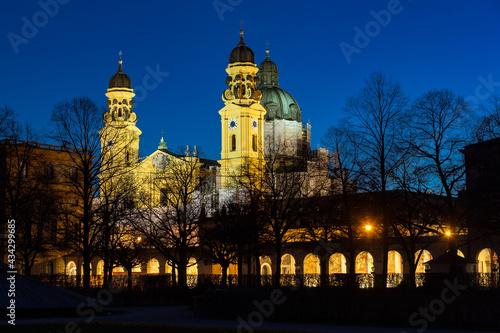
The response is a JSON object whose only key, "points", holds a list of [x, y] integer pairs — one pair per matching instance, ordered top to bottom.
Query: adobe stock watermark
{"points": [[223, 6], [30, 28], [372, 29], [150, 81], [484, 90], [91, 306], [436, 307], [266, 308]]}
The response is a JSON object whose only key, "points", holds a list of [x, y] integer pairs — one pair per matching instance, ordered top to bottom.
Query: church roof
{"points": [[241, 53], [120, 79], [278, 103]]}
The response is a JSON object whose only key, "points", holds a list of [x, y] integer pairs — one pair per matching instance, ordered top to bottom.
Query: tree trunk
{"points": [[385, 249], [239, 255], [249, 264], [323, 264], [182, 271], [86, 272], [277, 272], [174, 274], [412, 276], [258, 277], [129, 279], [223, 281]]}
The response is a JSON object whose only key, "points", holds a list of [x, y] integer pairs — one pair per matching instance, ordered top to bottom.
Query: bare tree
{"points": [[374, 114], [7, 121], [76, 125], [488, 126], [438, 131], [345, 168], [281, 188], [113, 208], [171, 220], [218, 241], [129, 250]]}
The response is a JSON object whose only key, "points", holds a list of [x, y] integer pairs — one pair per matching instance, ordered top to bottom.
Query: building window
{"points": [[233, 142], [254, 142], [24, 170], [50, 172], [74, 175], [163, 197], [49, 268]]}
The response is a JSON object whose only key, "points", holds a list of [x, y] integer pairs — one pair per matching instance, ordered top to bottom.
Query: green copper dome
{"points": [[278, 103]]}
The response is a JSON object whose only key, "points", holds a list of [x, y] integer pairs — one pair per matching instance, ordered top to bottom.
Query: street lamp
{"points": [[368, 227]]}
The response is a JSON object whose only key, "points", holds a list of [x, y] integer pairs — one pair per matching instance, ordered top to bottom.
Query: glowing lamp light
{"points": [[368, 227], [448, 233], [139, 239]]}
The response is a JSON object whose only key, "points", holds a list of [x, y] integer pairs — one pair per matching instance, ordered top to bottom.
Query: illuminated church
{"points": [[259, 119]]}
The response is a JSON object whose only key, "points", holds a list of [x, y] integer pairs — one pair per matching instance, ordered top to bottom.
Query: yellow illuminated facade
{"points": [[242, 118], [120, 135]]}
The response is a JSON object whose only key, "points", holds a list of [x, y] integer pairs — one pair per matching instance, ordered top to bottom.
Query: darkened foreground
{"points": [[465, 301], [449, 305], [121, 328]]}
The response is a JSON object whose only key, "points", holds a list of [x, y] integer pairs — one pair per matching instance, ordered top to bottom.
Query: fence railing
{"points": [[364, 281]]}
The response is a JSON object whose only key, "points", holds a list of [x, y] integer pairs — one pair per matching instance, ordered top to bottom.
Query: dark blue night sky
{"points": [[73, 51]]}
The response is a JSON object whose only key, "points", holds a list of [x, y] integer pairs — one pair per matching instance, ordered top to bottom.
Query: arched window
{"points": [[233, 142], [254, 142], [424, 257], [487, 261], [338, 263], [364, 263], [287, 264], [311, 264], [395, 264], [265, 265], [153, 266], [100, 267], [192, 267], [50, 268], [71, 268]]}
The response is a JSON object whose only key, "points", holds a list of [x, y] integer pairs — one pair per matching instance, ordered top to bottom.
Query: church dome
{"points": [[241, 53], [268, 66], [120, 79], [278, 103]]}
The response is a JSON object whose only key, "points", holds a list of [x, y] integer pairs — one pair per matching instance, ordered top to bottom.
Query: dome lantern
{"points": [[241, 53], [120, 79]]}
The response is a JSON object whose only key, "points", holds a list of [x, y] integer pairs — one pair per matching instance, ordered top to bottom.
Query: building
{"points": [[260, 122], [36, 191]]}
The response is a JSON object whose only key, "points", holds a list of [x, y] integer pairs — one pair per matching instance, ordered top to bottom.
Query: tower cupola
{"points": [[241, 53], [268, 73], [120, 79], [242, 79]]}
